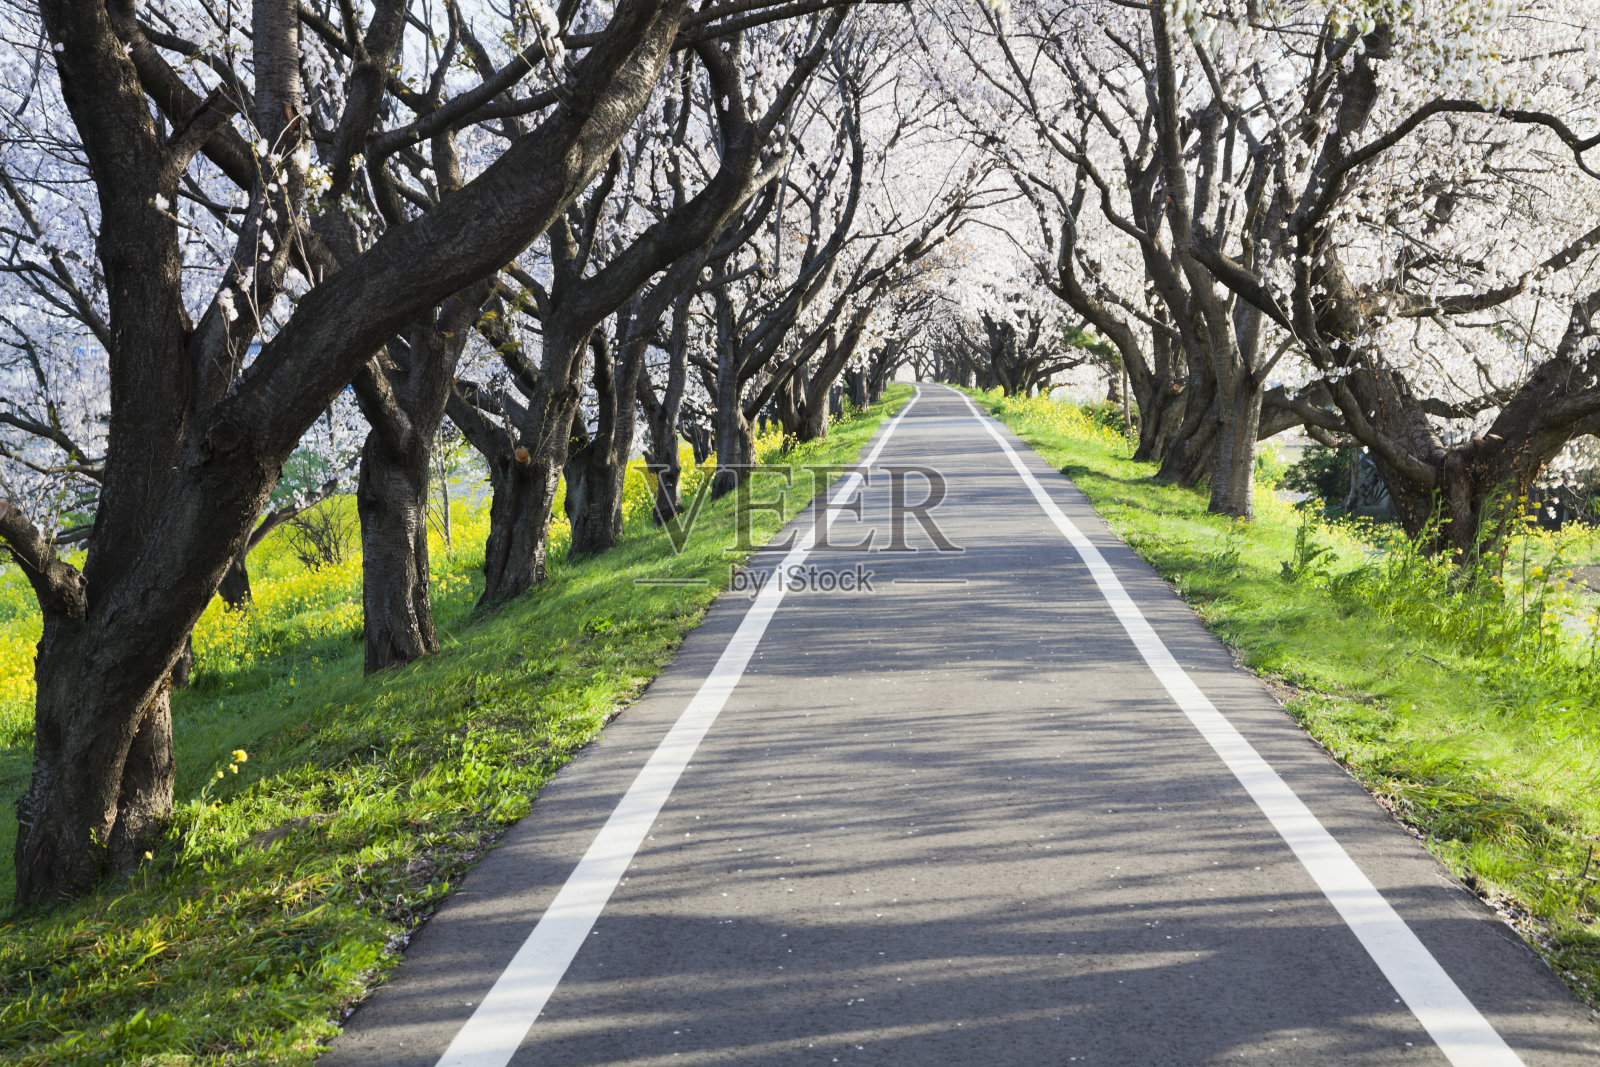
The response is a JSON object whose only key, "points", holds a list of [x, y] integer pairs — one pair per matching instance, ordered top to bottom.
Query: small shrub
{"points": [[1322, 472], [322, 536]]}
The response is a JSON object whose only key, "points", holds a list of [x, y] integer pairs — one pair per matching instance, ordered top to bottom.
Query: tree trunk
{"points": [[877, 383], [856, 387], [403, 392], [789, 404], [661, 416], [1160, 417], [812, 424], [735, 438], [736, 451], [1188, 459], [1234, 465], [665, 466], [525, 484], [392, 501], [1473, 506], [595, 511], [519, 529], [235, 587], [101, 788]]}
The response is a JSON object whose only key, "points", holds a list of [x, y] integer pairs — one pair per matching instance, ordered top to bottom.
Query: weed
{"points": [[1311, 559]]}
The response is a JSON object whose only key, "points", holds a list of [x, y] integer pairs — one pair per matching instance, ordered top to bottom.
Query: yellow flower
{"points": [[1537, 572], [240, 756]]}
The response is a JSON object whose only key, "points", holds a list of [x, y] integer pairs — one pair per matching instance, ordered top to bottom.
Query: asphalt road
{"points": [[968, 816]]}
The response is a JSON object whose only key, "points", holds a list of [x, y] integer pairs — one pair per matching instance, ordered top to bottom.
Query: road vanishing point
{"points": [[1010, 804]]}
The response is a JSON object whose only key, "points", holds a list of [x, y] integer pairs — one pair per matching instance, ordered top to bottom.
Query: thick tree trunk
{"points": [[855, 382], [876, 385], [403, 392], [789, 403], [1160, 418], [812, 423], [736, 449], [1189, 456], [1234, 465], [665, 466], [526, 479], [594, 496], [392, 501], [1473, 504], [595, 511], [519, 528], [101, 788], [144, 800]]}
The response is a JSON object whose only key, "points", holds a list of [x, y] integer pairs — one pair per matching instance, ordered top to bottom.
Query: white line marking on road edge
{"points": [[496, 1029], [1459, 1029]]}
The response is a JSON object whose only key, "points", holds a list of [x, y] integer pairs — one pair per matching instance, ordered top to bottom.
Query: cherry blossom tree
{"points": [[199, 422]]}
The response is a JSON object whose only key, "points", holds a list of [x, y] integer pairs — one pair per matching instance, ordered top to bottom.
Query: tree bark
{"points": [[856, 387], [403, 393], [1161, 413], [662, 415], [735, 438], [735, 442], [1189, 453], [1233, 470], [600, 472], [392, 502], [519, 527], [517, 550], [235, 587], [101, 788]]}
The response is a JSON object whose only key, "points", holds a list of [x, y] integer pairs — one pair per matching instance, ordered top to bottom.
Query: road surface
{"points": [[1012, 804]]}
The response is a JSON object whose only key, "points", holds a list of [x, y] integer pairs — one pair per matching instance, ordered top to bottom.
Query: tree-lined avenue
{"points": [[957, 818]]}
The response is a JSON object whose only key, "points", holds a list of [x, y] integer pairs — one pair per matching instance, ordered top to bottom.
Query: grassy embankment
{"points": [[1470, 710], [292, 877]]}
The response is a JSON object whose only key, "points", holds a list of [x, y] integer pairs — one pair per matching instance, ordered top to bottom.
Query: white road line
{"points": [[494, 1032], [1461, 1032]]}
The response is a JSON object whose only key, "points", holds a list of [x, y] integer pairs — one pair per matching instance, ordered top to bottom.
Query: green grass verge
{"points": [[1469, 710], [290, 881]]}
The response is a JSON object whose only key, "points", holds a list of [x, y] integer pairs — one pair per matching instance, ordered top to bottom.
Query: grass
{"points": [[1468, 707], [321, 816]]}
